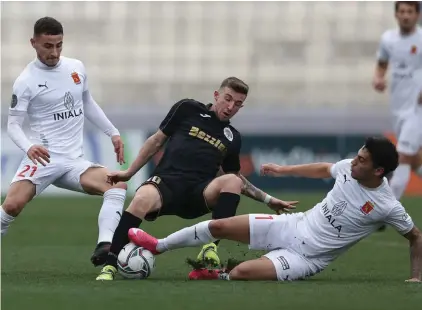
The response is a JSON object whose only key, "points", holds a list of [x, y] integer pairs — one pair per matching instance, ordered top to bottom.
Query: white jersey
{"points": [[404, 55], [52, 98], [349, 213]]}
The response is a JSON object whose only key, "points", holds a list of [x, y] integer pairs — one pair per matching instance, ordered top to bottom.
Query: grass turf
{"points": [[45, 265]]}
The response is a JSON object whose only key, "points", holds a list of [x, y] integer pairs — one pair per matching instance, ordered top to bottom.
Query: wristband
{"points": [[267, 199]]}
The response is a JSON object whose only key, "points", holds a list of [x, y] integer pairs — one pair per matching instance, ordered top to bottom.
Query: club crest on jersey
{"points": [[413, 49], [75, 77], [68, 101], [228, 133], [367, 207], [339, 208]]}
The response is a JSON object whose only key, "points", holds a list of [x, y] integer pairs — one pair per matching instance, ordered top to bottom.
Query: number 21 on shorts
{"points": [[25, 171]]}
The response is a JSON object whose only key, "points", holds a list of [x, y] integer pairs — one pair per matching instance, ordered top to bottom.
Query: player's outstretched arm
{"points": [[151, 146], [314, 171], [257, 194], [415, 242]]}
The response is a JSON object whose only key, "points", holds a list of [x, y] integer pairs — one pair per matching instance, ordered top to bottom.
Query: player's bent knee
{"points": [[231, 183], [20, 193], [147, 199], [13, 206], [218, 228], [261, 269], [241, 272]]}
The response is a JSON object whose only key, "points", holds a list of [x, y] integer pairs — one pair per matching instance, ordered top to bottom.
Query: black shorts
{"points": [[179, 197]]}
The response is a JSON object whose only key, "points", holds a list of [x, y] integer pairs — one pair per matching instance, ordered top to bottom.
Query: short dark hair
{"points": [[415, 4], [48, 26], [236, 84], [383, 152]]}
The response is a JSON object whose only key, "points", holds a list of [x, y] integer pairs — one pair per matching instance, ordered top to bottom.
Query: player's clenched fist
{"points": [[379, 83], [38, 154], [272, 170], [118, 176]]}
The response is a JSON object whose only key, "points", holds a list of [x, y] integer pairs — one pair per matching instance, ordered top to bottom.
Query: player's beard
{"points": [[407, 28], [52, 62]]}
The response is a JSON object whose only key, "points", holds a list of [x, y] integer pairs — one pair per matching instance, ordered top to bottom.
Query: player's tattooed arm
{"points": [[248, 189], [251, 190], [415, 241]]}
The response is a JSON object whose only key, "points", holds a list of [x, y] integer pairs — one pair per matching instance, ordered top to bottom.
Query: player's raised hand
{"points": [[379, 83], [118, 149], [39, 154], [271, 170], [118, 176], [280, 206], [414, 280]]}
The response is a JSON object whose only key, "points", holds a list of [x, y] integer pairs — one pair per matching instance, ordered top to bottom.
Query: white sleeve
{"points": [[382, 53], [18, 109], [96, 115], [340, 166], [399, 219]]}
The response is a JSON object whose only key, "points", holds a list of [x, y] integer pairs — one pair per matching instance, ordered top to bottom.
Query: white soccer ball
{"points": [[135, 262]]}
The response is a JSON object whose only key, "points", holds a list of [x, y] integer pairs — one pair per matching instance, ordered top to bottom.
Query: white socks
{"points": [[400, 179], [110, 213], [6, 220], [187, 237]]}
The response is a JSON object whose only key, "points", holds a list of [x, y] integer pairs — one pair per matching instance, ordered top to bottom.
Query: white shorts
{"points": [[408, 131], [61, 171], [277, 234]]}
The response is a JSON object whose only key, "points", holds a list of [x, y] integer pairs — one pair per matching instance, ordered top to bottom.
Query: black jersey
{"points": [[199, 143]]}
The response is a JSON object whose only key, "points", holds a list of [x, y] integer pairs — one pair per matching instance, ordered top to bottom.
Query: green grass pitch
{"points": [[45, 265]]}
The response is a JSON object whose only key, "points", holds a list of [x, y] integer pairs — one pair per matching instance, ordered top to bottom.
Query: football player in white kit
{"points": [[401, 50], [53, 91], [300, 245]]}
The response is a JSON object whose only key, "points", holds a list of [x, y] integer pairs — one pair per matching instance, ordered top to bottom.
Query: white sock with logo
{"points": [[400, 179], [110, 213], [6, 220], [187, 237]]}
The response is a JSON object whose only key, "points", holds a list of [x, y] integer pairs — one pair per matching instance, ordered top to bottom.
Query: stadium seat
{"points": [[308, 53]]}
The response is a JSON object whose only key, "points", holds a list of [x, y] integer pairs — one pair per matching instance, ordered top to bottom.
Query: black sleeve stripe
{"points": [[171, 117]]}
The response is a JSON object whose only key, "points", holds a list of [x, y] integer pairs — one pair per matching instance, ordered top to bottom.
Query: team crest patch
{"points": [[75, 77], [14, 101], [228, 133], [367, 207], [339, 208]]}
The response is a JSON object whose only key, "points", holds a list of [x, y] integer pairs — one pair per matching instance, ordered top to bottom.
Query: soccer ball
{"points": [[135, 262]]}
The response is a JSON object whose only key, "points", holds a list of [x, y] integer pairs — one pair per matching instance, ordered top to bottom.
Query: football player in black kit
{"points": [[198, 173]]}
